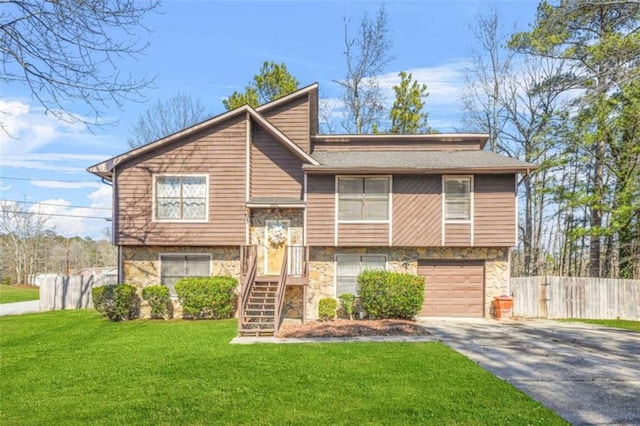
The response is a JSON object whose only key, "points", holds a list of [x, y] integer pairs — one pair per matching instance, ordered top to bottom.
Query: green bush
{"points": [[6, 280], [385, 294], [207, 297], [159, 301], [119, 302], [348, 303], [327, 309]]}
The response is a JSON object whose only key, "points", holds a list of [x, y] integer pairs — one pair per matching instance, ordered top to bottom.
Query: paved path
{"points": [[20, 308], [587, 374]]}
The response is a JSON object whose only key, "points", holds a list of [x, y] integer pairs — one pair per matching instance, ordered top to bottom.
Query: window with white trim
{"points": [[181, 198], [363, 198], [457, 198], [177, 266], [349, 266]]}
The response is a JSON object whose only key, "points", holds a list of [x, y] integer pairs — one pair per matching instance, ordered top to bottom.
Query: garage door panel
{"points": [[453, 288]]}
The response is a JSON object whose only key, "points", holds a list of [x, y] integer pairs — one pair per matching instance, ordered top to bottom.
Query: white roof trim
{"points": [[288, 97], [283, 138], [108, 165], [104, 168]]}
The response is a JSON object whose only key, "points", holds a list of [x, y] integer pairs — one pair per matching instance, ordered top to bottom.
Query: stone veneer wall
{"points": [[405, 259], [142, 265]]}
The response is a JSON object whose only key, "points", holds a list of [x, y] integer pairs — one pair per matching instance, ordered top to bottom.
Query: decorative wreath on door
{"points": [[277, 234]]}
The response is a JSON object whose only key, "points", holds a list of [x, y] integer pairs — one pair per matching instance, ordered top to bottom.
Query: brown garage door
{"points": [[452, 288]]}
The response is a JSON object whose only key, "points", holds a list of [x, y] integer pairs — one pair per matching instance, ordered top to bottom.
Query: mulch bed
{"points": [[347, 328]]}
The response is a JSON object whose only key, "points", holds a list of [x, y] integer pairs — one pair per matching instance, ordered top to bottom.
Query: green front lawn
{"points": [[10, 294], [626, 324], [74, 367]]}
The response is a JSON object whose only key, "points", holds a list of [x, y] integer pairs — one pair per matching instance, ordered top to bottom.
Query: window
{"points": [[181, 197], [363, 198], [457, 198], [176, 266], [349, 266]]}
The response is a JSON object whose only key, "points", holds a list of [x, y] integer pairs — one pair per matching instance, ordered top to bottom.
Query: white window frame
{"points": [[180, 175], [444, 198], [389, 199], [160, 255], [353, 255]]}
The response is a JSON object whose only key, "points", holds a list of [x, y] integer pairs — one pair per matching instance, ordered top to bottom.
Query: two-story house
{"points": [[296, 216]]}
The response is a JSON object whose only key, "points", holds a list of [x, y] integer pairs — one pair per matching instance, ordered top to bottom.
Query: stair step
{"points": [[262, 294], [271, 300], [259, 312], [258, 320], [258, 326], [257, 333]]}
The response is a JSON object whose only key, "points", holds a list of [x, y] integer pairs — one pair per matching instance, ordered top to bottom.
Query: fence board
{"points": [[73, 292], [576, 297]]}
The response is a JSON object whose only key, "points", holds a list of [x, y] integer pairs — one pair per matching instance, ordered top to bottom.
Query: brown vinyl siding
{"points": [[292, 119], [396, 146], [218, 152], [275, 170], [320, 210], [417, 210], [495, 210], [363, 234], [457, 234]]}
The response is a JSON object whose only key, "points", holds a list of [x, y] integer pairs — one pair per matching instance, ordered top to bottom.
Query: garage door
{"points": [[452, 288]]}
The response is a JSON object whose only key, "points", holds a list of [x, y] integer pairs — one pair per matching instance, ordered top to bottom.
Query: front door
{"points": [[276, 240]]}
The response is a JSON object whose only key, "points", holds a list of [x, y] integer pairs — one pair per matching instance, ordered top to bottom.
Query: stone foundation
{"points": [[405, 259], [141, 266]]}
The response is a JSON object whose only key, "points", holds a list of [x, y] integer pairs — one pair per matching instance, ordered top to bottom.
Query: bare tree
{"points": [[66, 51], [367, 54], [490, 64], [165, 117], [24, 234]]}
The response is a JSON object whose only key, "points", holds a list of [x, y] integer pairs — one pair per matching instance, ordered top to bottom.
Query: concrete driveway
{"points": [[18, 308], [587, 374]]}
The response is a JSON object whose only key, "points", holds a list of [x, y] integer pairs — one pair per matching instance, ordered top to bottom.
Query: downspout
{"points": [[114, 226]]}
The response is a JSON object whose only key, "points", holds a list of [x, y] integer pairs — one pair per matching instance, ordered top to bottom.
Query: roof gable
{"points": [[105, 168]]}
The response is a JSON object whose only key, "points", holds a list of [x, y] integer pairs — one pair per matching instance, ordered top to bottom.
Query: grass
{"points": [[10, 294], [617, 323], [75, 367]]}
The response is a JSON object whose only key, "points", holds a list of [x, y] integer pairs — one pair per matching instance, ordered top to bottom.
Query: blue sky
{"points": [[211, 48]]}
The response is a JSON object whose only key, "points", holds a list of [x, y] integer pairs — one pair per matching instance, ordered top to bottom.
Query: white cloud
{"points": [[444, 82], [29, 130], [65, 185], [102, 197], [70, 221]]}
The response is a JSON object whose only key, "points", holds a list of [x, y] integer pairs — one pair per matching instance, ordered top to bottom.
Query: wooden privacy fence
{"points": [[71, 292], [575, 297]]}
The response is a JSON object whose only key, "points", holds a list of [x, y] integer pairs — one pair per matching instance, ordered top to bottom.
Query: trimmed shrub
{"points": [[385, 294], [207, 297], [159, 301], [119, 302], [348, 303], [327, 309]]}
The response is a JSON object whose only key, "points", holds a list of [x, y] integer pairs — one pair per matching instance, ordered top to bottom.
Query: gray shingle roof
{"points": [[424, 161]]}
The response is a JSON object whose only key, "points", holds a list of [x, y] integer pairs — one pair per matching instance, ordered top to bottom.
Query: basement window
{"points": [[174, 267]]}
